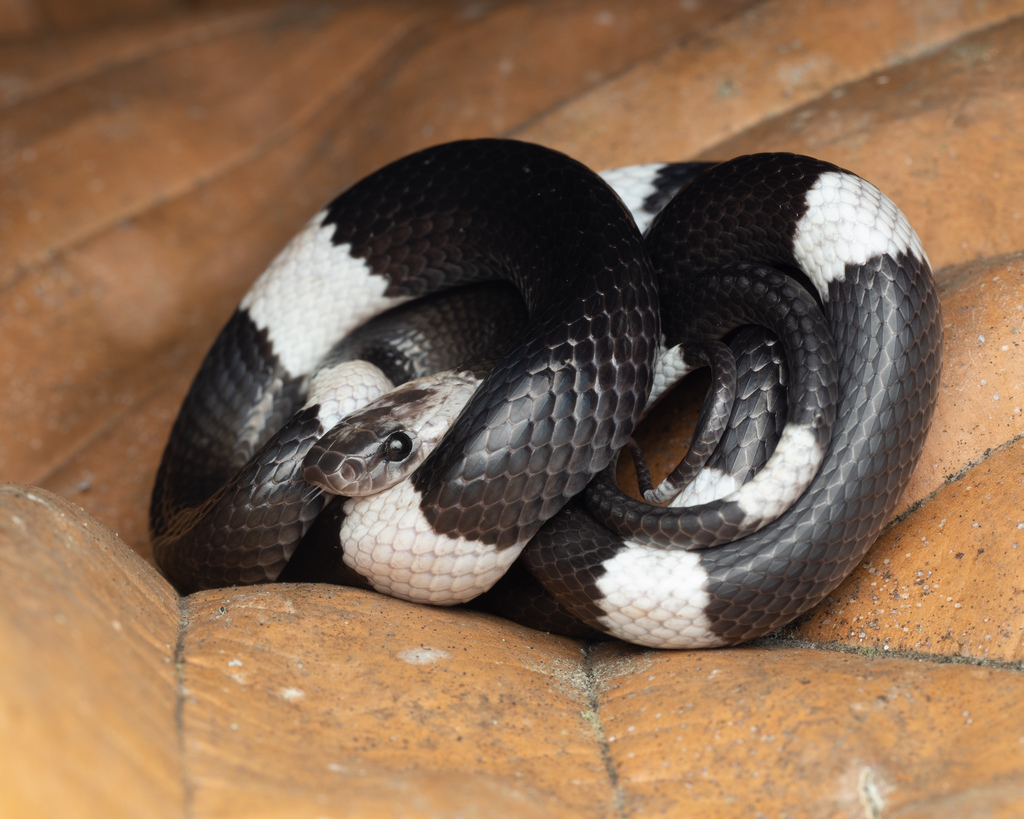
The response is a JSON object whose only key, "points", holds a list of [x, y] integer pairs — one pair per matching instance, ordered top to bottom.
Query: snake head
{"points": [[383, 443]]}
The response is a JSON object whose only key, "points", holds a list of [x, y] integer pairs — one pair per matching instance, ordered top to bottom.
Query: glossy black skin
{"points": [[733, 297], [886, 324], [574, 385], [570, 391]]}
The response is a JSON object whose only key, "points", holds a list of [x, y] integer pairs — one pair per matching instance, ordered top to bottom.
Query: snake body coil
{"points": [[873, 279], [230, 504]]}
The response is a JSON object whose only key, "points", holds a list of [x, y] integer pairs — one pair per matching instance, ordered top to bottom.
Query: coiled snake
{"points": [[606, 311]]}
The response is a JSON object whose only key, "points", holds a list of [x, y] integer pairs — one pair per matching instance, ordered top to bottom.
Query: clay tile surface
{"points": [[154, 156]]}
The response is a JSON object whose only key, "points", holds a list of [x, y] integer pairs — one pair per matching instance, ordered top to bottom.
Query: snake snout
{"points": [[343, 461], [335, 472]]}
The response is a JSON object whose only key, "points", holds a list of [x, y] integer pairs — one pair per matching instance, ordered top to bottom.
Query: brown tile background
{"points": [[155, 155]]}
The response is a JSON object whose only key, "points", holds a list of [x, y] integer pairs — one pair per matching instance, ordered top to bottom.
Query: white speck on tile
{"points": [[422, 655]]}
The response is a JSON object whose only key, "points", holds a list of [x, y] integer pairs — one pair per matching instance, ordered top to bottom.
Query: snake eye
{"points": [[397, 447]]}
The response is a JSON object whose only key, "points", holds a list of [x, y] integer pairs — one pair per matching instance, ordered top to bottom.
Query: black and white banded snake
{"points": [[602, 304]]}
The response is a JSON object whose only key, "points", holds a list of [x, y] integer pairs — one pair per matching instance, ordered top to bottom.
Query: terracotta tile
{"points": [[69, 14], [19, 18], [35, 66], [488, 69], [748, 69], [185, 113], [911, 126], [914, 130], [903, 140], [90, 331], [981, 400], [981, 405], [114, 476], [947, 578], [925, 586], [88, 684], [323, 690], [310, 698], [328, 701], [795, 732]]}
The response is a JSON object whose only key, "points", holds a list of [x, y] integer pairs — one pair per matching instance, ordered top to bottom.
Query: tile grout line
{"points": [[770, 641], [593, 717], [187, 789]]}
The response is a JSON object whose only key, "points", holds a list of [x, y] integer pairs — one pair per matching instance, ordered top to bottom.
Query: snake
{"points": [[621, 278]]}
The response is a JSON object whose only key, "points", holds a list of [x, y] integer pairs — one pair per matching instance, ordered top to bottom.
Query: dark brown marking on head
{"points": [[408, 397]]}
